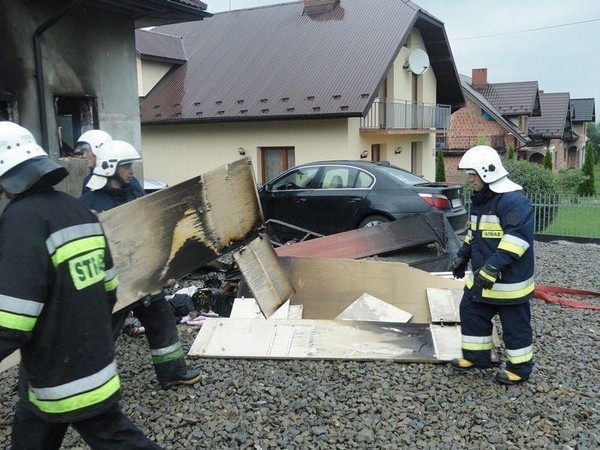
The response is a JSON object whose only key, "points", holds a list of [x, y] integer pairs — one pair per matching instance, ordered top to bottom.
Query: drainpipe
{"points": [[39, 69]]}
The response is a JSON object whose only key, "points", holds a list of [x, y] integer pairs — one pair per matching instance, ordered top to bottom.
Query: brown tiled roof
{"points": [[157, 12], [159, 47], [273, 62], [512, 99], [482, 102], [583, 110], [555, 118]]}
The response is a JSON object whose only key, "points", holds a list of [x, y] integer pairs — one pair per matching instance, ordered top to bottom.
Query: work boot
{"points": [[462, 364], [506, 377], [189, 378]]}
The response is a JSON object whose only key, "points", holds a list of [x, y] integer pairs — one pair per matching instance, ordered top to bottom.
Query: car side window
{"points": [[337, 177], [300, 178], [362, 180]]}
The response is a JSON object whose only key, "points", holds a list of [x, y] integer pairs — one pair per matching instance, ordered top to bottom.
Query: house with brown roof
{"points": [[70, 67], [297, 82], [583, 111], [495, 114], [553, 131]]}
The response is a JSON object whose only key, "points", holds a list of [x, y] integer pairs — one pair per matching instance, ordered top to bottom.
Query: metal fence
{"points": [[568, 216]]}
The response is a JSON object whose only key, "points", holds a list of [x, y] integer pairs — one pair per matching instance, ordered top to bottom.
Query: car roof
{"points": [[348, 162]]}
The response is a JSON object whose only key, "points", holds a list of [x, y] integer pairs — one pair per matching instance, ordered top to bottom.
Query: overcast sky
{"points": [[553, 42]]}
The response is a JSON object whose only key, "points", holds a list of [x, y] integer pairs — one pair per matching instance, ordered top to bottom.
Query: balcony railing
{"points": [[405, 115]]}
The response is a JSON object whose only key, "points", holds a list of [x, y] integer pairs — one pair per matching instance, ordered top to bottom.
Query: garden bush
{"points": [[569, 180], [540, 186]]}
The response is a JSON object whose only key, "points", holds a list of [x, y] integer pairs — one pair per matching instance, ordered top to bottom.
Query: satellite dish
{"points": [[418, 61]]}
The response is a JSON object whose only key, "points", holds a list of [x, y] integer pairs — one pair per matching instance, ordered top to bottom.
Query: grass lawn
{"points": [[579, 220]]}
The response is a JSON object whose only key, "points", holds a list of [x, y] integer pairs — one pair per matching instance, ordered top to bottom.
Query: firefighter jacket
{"points": [[135, 185], [109, 197], [500, 237], [57, 290]]}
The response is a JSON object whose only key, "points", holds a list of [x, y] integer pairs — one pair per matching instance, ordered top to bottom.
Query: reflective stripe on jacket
{"points": [[501, 235], [57, 289]]}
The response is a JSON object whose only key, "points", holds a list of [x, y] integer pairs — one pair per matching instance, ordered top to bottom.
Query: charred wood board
{"points": [[172, 232], [400, 234], [264, 275], [314, 339]]}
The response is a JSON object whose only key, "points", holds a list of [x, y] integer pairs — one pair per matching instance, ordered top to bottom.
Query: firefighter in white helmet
{"points": [[89, 144], [110, 186], [499, 246], [56, 272]]}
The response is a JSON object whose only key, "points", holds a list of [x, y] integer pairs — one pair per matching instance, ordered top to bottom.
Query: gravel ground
{"points": [[344, 404]]}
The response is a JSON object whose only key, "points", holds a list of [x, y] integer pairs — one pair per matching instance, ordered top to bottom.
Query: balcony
{"points": [[405, 116]]}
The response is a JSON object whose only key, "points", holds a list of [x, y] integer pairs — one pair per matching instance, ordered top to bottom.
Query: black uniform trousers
{"points": [[158, 319], [476, 320], [111, 430]]}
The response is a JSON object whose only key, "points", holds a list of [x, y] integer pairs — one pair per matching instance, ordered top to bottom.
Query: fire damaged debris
{"points": [[425, 241], [328, 290]]}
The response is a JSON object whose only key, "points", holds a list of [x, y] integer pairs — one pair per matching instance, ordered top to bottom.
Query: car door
{"points": [[285, 198], [338, 200]]}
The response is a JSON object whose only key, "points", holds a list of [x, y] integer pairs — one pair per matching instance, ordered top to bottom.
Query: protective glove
{"points": [[459, 265], [486, 276]]}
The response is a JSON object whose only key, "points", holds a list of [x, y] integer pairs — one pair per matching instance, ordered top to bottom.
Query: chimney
{"points": [[319, 6], [479, 77]]}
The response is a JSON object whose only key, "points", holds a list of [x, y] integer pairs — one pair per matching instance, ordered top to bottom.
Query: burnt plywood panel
{"points": [[172, 232], [400, 234], [264, 275], [326, 287], [367, 307], [314, 339]]}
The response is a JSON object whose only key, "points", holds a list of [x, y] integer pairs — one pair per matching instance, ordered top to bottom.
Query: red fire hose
{"points": [[548, 293]]}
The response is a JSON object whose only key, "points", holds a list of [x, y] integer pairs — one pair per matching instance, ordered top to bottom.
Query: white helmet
{"points": [[92, 140], [17, 144], [17, 147], [109, 157], [486, 162]]}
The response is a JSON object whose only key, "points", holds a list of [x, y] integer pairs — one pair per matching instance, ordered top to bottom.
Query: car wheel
{"points": [[371, 221]]}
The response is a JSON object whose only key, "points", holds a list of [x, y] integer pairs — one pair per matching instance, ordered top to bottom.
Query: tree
{"points": [[593, 134], [511, 153], [548, 159], [440, 170], [587, 186]]}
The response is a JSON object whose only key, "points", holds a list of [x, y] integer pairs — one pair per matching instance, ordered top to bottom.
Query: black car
{"points": [[329, 197]]}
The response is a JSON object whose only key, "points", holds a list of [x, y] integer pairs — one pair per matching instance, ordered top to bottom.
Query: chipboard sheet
{"points": [[314, 339]]}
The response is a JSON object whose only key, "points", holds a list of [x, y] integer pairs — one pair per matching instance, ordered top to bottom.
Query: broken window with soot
{"points": [[74, 116]]}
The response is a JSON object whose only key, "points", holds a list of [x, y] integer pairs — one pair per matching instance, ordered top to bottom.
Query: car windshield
{"points": [[403, 175]]}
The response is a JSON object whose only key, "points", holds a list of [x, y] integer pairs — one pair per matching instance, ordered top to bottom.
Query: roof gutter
{"points": [[39, 68]]}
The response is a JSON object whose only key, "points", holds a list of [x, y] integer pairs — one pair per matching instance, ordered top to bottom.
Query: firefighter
{"points": [[88, 145], [110, 186], [499, 246], [56, 272]]}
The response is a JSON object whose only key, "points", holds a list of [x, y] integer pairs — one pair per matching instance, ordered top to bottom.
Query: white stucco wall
{"points": [[149, 73], [174, 153]]}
